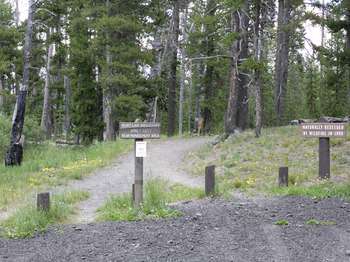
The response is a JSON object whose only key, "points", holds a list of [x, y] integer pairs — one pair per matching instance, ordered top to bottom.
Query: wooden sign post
{"points": [[324, 131], [139, 132]]}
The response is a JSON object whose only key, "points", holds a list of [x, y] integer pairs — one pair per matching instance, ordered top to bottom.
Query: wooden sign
{"points": [[323, 129], [131, 130]]}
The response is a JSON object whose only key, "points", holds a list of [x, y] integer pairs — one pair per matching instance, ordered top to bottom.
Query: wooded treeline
{"points": [[235, 64]]}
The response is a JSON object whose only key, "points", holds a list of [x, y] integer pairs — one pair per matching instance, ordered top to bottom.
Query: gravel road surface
{"points": [[211, 230]]}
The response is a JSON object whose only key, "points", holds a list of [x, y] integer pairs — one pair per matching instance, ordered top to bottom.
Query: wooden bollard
{"points": [[324, 158], [283, 177], [210, 180], [133, 193], [43, 202]]}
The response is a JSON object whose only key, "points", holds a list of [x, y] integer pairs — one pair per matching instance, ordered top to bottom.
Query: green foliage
{"points": [[129, 108], [158, 193], [28, 221]]}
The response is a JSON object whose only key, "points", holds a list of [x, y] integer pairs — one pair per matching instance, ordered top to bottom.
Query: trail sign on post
{"points": [[131, 130], [324, 131], [138, 132]]}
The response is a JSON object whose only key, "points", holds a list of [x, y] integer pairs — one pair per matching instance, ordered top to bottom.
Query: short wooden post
{"points": [[324, 158], [283, 177], [210, 180], [138, 186], [133, 193], [43, 201]]}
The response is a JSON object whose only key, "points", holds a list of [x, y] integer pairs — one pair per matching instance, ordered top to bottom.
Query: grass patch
{"points": [[251, 164], [49, 165], [319, 191], [158, 194], [28, 220], [282, 222], [315, 222]]}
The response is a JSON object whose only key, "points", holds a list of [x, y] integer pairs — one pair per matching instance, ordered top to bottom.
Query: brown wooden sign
{"points": [[323, 129], [131, 130]]}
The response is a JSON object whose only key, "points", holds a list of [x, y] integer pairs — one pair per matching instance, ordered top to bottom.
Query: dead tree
{"points": [[46, 117], [15, 152]]}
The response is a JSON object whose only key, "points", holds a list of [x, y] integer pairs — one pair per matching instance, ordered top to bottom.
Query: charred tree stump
{"points": [[14, 155]]}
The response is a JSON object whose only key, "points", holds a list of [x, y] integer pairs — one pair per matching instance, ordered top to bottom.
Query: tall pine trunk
{"points": [[259, 30], [282, 58], [183, 70], [209, 73], [172, 83], [2, 99], [67, 99], [237, 107], [46, 117], [109, 131], [15, 153]]}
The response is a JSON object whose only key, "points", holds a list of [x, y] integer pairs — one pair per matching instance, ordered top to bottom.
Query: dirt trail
{"points": [[164, 160]]}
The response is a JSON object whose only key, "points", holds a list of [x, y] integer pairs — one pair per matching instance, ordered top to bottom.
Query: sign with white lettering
{"points": [[131, 130], [323, 130], [141, 149]]}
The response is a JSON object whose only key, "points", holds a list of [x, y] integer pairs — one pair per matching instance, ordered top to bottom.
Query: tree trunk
{"points": [[17, 12], [258, 29], [282, 58], [173, 68], [183, 70], [209, 73], [190, 90], [1, 94], [67, 99], [237, 108], [46, 117], [109, 131], [14, 154]]}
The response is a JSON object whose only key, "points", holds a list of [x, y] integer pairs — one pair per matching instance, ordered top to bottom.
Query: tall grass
{"points": [[49, 165], [320, 191], [158, 194], [28, 220]]}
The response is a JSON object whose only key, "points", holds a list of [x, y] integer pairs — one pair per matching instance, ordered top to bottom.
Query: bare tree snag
{"points": [[184, 65], [46, 117], [15, 152]]}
